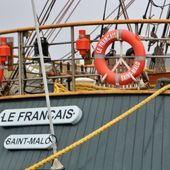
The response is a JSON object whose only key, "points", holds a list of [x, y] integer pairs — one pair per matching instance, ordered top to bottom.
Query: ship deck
{"points": [[80, 93]]}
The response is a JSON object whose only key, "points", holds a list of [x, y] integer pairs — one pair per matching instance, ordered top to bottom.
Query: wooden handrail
{"points": [[87, 23], [97, 92]]}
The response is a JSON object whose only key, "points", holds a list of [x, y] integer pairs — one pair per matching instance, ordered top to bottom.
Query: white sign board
{"points": [[39, 116], [31, 141]]}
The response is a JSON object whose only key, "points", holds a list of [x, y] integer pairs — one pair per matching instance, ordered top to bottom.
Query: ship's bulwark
{"points": [[139, 142]]}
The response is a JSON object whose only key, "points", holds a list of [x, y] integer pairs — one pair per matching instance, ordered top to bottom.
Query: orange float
{"points": [[83, 43], [4, 53], [138, 64], [1, 70]]}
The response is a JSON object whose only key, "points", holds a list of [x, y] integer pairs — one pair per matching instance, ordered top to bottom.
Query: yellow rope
{"points": [[90, 87], [58, 88], [98, 131]]}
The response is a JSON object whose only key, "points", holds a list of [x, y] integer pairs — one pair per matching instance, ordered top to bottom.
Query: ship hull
{"points": [[137, 142]]}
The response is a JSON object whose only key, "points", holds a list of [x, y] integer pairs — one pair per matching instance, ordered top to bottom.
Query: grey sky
{"points": [[18, 13]]}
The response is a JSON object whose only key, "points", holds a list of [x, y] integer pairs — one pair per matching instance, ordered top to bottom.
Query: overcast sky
{"points": [[18, 13]]}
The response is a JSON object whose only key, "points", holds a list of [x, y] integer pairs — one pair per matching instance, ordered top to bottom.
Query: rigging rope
{"points": [[127, 6], [159, 6], [162, 9], [124, 10], [47, 14], [104, 14], [144, 17], [60, 18], [38, 19], [55, 20], [66, 20], [41, 22], [116, 26], [147, 32], [99, 130]]}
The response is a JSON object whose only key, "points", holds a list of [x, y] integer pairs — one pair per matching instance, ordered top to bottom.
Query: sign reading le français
{"points": [[39, 116], [28, 141]]}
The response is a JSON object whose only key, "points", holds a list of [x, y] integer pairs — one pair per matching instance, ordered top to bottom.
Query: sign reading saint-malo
{"points": [[39, 116], [28, 141]]}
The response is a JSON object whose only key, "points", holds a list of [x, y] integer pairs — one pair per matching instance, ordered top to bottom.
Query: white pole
{"points": [[57, 163]]}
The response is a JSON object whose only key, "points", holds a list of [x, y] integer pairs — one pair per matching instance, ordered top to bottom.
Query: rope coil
{"points": [[99, 130]]}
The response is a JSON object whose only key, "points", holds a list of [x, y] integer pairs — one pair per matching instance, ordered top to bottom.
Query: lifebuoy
{"points": [[138, 64]]}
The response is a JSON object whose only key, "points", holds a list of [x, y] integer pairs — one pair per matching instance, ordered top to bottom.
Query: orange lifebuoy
{"points": [[138, 64]]}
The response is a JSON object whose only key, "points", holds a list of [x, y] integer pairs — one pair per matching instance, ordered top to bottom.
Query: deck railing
{"points": [[66, 72]]}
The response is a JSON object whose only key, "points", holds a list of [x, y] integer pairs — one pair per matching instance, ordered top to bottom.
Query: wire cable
{"points": [[159, 6], [104, 14], [60, 19], [55, 20], [66, 20], [41, 22]]}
